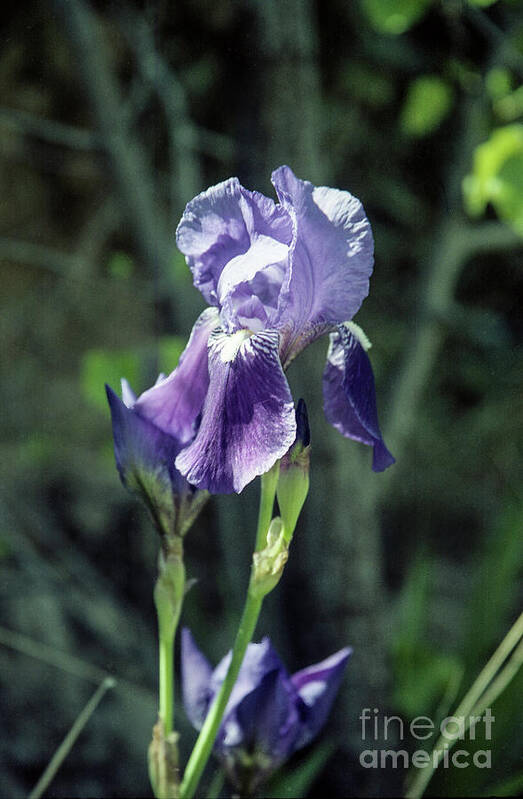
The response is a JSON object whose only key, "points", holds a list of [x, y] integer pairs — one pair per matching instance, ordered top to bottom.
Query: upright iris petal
{"points": [[280, 275], [174, 403], [270, 713]]}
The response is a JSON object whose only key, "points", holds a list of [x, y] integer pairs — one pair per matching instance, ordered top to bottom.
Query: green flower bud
{"points": [[293, 483], [268, 563]]}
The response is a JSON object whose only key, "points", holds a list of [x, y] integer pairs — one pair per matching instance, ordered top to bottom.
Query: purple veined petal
{"points": [[220, 224], [331, 258], [349, 395], [175, 403], [248, 418], [145, 460], [260, 659], [196, 680], [317, 687], [266, 721]]}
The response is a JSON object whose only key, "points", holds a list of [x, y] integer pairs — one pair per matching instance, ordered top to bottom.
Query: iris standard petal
{"points": [[220, 224], [332, 255], [349, 395], [175, 403], [248, 419], [145, 460], [259, 660], [196, 679], [317, 687], [268, 719]]}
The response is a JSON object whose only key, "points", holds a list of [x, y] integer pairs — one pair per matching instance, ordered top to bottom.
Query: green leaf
{"points": [[482, 3], [394, 16], [428, 101], [497, 177], [120, 265], [169, 350], [103, 366], [297, 782]]}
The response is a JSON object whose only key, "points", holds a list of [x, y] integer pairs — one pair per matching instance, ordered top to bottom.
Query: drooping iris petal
{"points": [[221, 224], [332, 255], [349, 395], [175, 402], [248, 419], [145, 460], [196, 677], [317, 687]]}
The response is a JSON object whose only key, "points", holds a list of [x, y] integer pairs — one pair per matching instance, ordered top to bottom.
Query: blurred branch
{"points": [[500, 38], [169, 89], [54, 132], [133, 177], [186, 178], [455, 243], [37, 255], [68, 663]]}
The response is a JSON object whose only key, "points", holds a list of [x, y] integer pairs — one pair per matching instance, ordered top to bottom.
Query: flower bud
{"points": [[293, 483], [268, 563]]}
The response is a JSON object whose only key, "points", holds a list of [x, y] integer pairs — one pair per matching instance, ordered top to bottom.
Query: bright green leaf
{"points": [[482, 3], [394, 16], [498, 82], [428, 102], [497, 177], [120, 265], [169, 350], [103, 366]]}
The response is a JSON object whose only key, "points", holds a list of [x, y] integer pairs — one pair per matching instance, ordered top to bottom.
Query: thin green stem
{"points": [[269, 481], [474, 701], [70, 739], [204, 744]]}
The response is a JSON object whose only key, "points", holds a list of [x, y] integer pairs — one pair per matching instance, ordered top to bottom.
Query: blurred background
{"points": [[112, 116]]}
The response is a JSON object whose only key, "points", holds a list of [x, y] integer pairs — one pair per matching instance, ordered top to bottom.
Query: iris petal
{"points": [[221, 224], [331, 256], [349, 394], [174, 403], [248, 419], [145, 460], [196, 677], [317, 687]]}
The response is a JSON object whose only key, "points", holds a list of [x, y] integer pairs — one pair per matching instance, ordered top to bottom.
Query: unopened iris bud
{"points": [[145, 457], [293, 483], [268, 563]]}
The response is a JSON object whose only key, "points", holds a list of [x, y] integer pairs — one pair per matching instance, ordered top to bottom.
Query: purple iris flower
{"points": [[277, 276], [145, 457], [270, 714]]}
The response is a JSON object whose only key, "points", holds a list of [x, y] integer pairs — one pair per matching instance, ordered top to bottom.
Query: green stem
{"points": [[269, 481], [168, 597], [166, 682], [204, 744]]}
